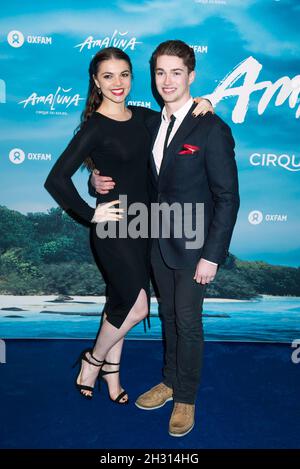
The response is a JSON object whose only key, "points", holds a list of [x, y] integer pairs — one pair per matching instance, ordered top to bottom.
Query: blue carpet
{"points": [[249, 398]]}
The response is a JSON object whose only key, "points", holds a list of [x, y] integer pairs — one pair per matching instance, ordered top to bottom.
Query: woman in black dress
{"points": [[115, 138]]}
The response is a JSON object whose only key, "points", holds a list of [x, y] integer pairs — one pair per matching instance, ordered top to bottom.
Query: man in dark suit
{"points": [[192, 163]]}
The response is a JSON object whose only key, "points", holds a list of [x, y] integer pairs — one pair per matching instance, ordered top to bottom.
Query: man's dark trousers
{"points": [[181, 310]]}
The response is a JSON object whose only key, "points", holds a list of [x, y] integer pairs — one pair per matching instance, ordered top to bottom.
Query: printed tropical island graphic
{"points": [[49, 254], [50, 286]]}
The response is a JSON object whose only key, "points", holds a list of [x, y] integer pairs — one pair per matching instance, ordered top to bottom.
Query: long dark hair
{"points": [[94, 98]]}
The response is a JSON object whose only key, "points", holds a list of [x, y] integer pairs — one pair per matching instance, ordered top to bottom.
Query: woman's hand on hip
{"points": [[101, 184]]}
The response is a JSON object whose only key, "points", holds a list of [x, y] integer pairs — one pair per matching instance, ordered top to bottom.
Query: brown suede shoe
{"points": [[155, 398], [182, 419]]}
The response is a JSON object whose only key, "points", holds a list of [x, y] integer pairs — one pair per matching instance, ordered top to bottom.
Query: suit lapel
{"points": [[186, 127], [154, 132]]}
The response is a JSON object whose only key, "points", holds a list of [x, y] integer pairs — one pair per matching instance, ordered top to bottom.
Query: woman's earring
{"points": [[99, 91]]}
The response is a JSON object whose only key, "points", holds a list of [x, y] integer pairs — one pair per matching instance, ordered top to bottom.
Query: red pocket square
{"points": [[188, 149]]}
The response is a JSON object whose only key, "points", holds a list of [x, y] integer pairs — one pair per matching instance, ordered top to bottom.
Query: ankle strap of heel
{"points": [[85, 358], [96, 359], [106, 372]]}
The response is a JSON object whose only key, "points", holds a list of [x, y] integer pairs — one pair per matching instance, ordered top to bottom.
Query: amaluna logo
{"points": [[117, 39], [248, 72], [61, 97]]}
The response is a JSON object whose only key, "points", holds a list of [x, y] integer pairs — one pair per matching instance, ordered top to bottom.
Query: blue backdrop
{"points": [[247, 63]]}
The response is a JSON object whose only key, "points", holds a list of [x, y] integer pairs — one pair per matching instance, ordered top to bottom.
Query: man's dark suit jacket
{"points": [[207, 176]]}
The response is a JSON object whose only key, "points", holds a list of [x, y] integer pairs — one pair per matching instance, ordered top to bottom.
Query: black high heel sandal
{"points": [[102, 373], [82, 387]]}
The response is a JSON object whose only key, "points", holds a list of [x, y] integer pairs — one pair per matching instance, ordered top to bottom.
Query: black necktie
{"points": [[169, 130]]}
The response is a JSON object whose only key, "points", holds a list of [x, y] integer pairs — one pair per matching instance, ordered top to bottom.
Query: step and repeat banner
{"points": [[247, 56]]}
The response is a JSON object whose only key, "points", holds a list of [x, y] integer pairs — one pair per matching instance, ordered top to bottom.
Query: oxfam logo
{"points": [[15, 39], [2, 91], [17, 156], [255, 217]]}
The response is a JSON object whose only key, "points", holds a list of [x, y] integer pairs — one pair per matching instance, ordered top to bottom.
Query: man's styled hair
{"points": [[177, 48]]}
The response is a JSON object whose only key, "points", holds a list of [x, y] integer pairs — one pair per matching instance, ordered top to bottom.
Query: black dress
{"points": [[119, 149]]}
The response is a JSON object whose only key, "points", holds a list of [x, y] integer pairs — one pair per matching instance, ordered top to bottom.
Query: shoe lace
{"points": [[184, 409]]}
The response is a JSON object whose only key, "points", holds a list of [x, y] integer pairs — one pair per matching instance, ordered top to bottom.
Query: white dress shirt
{"points": [[162, 132], [158, 147]]}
